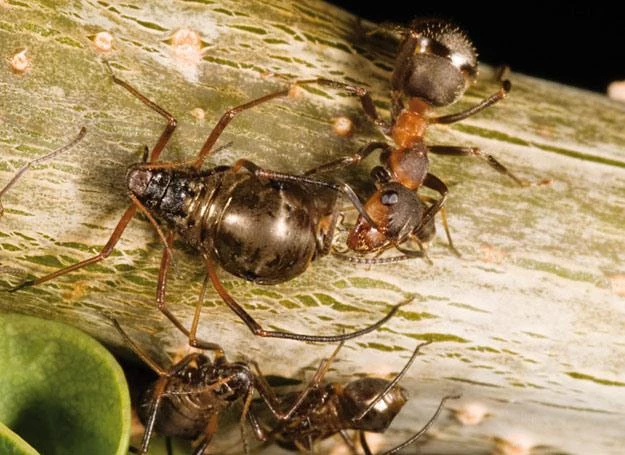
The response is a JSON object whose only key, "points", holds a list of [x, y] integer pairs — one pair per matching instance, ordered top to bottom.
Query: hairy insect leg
{"points": [[506, 86], [171, 121], [451, 150], [46, 157], [104, 253], [258, 330]]}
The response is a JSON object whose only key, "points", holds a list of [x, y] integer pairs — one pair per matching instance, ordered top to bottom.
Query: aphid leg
{"points": [[506, 86], [225, 119], [171, 121], [451, 150], [48, 156], [350, 160], [340, 187], [104, 253], [161, 303], [257, 329], [193, 339], [137, 350], [314, 383], [155, 402], [425, 428], [204, 440], [348, 441], [364, 444]]}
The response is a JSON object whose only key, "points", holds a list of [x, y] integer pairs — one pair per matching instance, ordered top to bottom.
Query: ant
{"points": [[435, 65], [46, 157], [263, 226], [187, 399], [323, 409]]}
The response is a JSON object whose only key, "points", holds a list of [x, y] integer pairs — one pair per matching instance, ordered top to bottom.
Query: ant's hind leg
{"points": [[451, 150]]}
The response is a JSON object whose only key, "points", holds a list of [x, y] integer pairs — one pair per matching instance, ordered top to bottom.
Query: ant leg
{"points": [[506, 86], [368, 106], [171, 121], [451, 150], [50, 155], [350, 160], [436, 184], [443, 212], [104, 253], [256, 328], [425, 428]]}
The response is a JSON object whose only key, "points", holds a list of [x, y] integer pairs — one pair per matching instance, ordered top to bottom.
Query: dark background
{"points": [[581, 45]]}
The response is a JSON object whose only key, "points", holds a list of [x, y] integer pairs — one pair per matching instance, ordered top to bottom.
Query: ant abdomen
{"points": [[436, 61]]}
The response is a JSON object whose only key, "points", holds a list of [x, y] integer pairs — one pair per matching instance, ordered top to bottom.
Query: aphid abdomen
{"points": [[262, 230]]}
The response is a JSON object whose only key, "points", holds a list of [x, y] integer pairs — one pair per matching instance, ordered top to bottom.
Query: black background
{"points": [[581, 45]]}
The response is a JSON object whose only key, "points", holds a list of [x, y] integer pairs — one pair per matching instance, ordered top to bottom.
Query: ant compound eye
{"points": [[389, 197]]}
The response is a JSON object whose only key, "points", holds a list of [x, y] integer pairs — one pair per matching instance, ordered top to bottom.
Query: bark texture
{"points": [[528, 323]]}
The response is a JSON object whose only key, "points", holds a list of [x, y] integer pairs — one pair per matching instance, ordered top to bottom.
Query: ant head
{"points": [[437, 62], [395, 209], [358, 395]]}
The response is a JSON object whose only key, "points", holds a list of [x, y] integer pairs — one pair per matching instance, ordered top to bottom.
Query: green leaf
{"points": [[60, 389], [12, 444]]}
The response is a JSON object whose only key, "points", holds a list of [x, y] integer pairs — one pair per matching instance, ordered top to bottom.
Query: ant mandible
{"points": [[259, 225], [323, 409]]}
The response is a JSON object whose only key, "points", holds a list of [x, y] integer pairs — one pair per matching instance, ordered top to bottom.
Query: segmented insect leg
{"points": [[258, 330]]}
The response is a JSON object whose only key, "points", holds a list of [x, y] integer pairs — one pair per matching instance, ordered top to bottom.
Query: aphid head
{"points": [[437, 62], [148, 185], [358, 394]]}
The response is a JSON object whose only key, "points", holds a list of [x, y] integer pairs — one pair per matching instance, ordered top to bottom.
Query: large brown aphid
{"points": [[260, 225], [323, 409]]}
